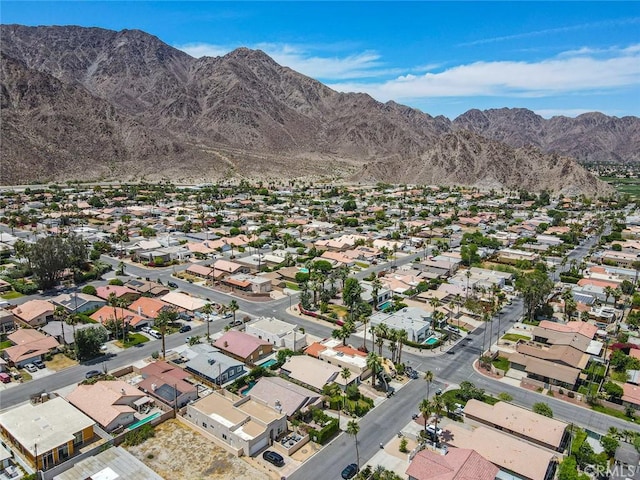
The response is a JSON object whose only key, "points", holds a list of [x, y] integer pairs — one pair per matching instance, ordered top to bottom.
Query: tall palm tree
{"points": [[376, 285], [608, 291], [113, 301], [233, 308], [207, 310], [73, 321], [162, 321], [365, 321], [372, 330], [401, 336], [379, 343], [373, 364], [345, 374], [428, 377], [437, 405], [425, 409], [353, 428]]}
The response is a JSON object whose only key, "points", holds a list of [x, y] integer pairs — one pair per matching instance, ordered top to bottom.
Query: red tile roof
{"points": [[457, 464]]}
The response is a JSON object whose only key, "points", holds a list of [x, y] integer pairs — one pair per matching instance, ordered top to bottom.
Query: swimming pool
{"points": [[304, 270], [385, 305], [430, 341], [268, 363], [245, 391], [144, 420]]}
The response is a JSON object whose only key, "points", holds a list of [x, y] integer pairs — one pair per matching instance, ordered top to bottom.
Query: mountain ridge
{"points": [[238, 115]]}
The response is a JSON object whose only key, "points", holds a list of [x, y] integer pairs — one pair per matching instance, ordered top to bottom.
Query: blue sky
{"points": [[556, 58]]}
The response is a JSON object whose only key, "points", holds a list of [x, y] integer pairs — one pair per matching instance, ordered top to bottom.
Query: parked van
{"points": [[5, 378]]}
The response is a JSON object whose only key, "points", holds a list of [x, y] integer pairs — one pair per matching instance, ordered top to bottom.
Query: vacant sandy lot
{"points": [[177, 452]]}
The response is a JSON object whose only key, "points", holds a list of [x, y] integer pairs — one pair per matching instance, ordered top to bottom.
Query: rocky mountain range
{"points": [[88, 103]]}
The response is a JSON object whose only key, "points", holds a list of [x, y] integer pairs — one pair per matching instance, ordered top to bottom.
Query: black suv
{"points": [[185, 328], [273, 457]]}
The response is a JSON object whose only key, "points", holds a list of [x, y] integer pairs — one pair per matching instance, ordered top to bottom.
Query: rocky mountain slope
{"points": [[87, 103], [590, 137]]}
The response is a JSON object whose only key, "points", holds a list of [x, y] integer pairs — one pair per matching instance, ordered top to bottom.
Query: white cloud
{"points": [[198, 50], [563, 74]]}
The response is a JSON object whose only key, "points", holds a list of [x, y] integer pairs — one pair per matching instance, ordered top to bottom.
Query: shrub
{"points": [[116, 281], [89, 290], [139, 435], [403, 445]]}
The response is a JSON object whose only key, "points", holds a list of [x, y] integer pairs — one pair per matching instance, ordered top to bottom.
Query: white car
{"points": [[146, 329], [155, 334], [30, 367]]}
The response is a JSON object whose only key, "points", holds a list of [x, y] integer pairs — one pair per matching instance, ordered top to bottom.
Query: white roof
{"points": [[184, 301], [45, 425]]}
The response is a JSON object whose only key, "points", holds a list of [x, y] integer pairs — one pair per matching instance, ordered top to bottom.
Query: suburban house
{"points": [[224, 268], [201, 271], [248, 283], [144, 287], [120, 292], [183, 301], [78, 302], [149, 307], [34, 313], [124, 317], [7, 321], [415, 321], [65, 333], [280, 334], [28, 345], [242, 346], [333, 352], [211, 365], [312, 372], [167, 384], [631, 395], [290, 397], [112, 404], [246, 425], [533, 427], [47, 433], [512, 456], [114, 462], [450, 464]]}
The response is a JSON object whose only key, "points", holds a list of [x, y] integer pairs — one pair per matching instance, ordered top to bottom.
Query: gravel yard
{"points": [[177, 452]]}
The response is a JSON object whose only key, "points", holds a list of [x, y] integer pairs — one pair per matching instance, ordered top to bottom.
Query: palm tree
{"points": [[636, 266], [468, 275], [376, 285], [608, 291], [113, 301], [233, 308], [207, 310], [73, 321], [162, 321], [365, 321], [372, 330], [341, 333], [401, 336], [380, 344], [373, 364], [345, 374], [428, 377], [437, 406], [425, 409], [353, 427]]}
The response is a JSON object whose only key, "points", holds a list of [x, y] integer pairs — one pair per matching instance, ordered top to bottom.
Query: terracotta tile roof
{"points": [[104, 291], [148, 307], [32, 309], [105, 314], [584, 328], [30, 348], [315, 349], [631, 393], [104, 401], [457, 464]]}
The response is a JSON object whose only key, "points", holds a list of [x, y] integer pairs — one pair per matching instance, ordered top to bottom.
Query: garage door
{"points": [[258, 446]]}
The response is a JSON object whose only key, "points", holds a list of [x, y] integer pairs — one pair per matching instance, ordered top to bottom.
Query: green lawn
{"points": [[292, 286], [11, 294], [514, 337], [134, 339], [5, 344], [501, 363], [619, 376], [453, 395], [612, 412]]}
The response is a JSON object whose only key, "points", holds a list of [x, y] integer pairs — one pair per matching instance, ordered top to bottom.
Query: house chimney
{"points": [[139, 311]]}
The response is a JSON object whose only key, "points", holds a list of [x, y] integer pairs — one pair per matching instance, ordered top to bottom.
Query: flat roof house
{"points": [[415, 321], [277, 332], [312, 372], [290, 397], [245, 425], [47, 433]]}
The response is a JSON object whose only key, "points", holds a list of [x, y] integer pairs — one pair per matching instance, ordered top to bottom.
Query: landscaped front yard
{"points": [[10, 295], [133, 339], [59, 362]]}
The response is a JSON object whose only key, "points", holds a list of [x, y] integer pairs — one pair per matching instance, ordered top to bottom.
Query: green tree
{"points": [[49, 258], [534, 286], [89, 290], [351, 294], [233, 308], [207, 310], [162, 321], [88, 342], [375, 365], [428, 377], [614, 390], [426, 408], [542, 409], [353, 428], [610, 445]]}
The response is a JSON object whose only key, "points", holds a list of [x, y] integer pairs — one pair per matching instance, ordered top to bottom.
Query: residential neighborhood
{"points": [[428, 332]]}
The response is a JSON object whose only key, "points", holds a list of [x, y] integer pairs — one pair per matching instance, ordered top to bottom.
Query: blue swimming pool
{"points": [[304, 270], [385, 305], [430, 341], [268, 363], [245, 391], [145, 420]]}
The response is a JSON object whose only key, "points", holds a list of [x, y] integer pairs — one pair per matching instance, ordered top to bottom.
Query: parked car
{"points": [[172, 284], [235, 323], [185, 328], [146, 329], [155, 334], [40, 364], [30, 367], [92, 373], [4, 378], [432, 429], [274, 458], [349, 471]]}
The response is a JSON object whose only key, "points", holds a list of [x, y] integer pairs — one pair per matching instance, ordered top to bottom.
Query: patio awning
{"points": [[143, 401]]}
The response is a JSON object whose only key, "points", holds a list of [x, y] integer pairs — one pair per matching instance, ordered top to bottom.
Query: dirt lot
{"points": [[59, 362], [177, 452]]}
